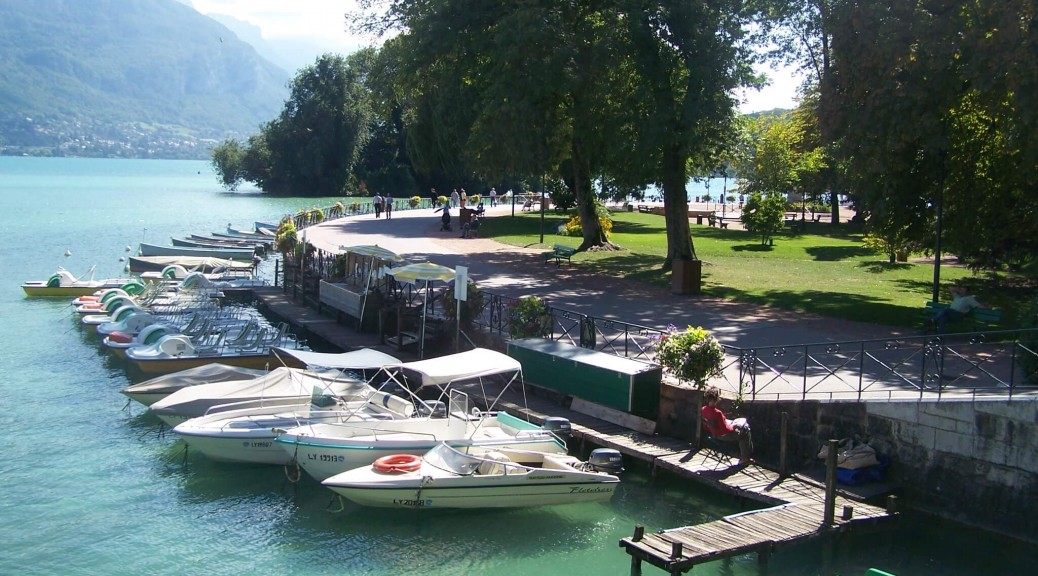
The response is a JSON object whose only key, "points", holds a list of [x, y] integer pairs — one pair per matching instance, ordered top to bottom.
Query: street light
{"points": [[724, 195]]}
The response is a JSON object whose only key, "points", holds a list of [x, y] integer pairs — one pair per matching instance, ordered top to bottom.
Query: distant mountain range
{"points": [[135, 78]]}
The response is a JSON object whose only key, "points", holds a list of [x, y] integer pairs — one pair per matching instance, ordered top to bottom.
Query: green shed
{"points": [[621, 383]]}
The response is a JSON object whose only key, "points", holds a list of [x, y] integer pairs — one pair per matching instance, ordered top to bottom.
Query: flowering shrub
{"points": [[414, 201], [573, 227], [285, 236], [528, 317], [692, 356]]}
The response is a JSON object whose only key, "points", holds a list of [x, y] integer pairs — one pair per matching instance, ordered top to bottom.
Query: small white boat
{"points": [[62, 283], [280, 387], [152, 390], [246, 435], [326, 449], [502, 478]]}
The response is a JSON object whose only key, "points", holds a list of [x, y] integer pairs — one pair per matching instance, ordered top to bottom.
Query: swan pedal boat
{"points": [[63, 284]]}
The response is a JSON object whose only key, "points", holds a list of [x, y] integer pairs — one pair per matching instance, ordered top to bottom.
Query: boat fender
{"points": [[120, 337], [397, 464]]}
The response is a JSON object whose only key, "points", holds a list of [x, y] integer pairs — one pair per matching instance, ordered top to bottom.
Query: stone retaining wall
{"points": [[972, 462]]}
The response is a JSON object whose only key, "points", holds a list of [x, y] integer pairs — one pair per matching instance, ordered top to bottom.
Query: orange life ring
{"points": [[397, 463]]}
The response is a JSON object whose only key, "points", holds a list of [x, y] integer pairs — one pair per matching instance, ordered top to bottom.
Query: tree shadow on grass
{"points": [[752, 248], [837, 253], [879, 267], [833, 304]]}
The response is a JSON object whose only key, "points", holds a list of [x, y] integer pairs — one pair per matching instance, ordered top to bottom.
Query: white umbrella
{"points": [[376, 252], [427, 272]]}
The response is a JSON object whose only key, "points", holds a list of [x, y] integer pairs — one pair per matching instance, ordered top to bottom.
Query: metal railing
{"points": [[957, 366]]}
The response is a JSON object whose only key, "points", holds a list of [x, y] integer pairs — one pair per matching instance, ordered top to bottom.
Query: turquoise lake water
{"points": [[92, 486]]}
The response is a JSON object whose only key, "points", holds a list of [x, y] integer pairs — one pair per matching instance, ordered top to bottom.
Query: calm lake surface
{"points": [[91, 486]]}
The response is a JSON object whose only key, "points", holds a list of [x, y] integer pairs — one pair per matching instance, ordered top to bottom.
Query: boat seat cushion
{"points": [[493, 463]]}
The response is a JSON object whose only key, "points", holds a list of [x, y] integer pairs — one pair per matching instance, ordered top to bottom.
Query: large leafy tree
{"points": [[688, 57], [506, 89], [934, 120], [312, 147]]}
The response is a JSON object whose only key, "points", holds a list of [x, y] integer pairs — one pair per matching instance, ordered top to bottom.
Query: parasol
{"points": [[419, 272]]}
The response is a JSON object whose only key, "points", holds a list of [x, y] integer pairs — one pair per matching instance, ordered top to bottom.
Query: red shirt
{"points": [[714, 421]]}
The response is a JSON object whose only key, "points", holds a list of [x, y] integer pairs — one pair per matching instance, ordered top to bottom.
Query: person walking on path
{"points": [[464, 197], [493, 197], [454, 198], [434, 200], [376, 202], [387, 203], [722, 428]]}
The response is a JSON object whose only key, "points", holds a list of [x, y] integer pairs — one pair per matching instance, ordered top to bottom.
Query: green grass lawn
{"points": [[824, 270]]}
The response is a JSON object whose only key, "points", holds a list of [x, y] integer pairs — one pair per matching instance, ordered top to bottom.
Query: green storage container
{"points": [[620, 383]]}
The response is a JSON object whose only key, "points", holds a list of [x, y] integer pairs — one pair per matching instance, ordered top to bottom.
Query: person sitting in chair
{"points": [[480, 210], [469, 229], [722, 428]]}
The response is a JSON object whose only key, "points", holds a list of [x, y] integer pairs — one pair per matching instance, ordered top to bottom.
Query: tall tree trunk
{"points": [[578, 180], [675, 207]]}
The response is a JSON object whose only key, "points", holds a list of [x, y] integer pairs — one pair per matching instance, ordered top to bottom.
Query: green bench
{"points": [[559, 253], [981, 318]]}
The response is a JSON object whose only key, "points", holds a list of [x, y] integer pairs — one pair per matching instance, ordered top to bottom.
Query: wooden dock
{"points": [[796, 504], [795, 512]]}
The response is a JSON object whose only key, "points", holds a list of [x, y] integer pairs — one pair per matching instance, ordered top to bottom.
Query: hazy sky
{"points": [[323, 23]]}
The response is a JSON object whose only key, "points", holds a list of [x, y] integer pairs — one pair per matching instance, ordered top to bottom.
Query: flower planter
{"points": [[686, 277]]}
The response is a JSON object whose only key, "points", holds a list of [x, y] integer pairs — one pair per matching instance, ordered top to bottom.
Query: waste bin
{"points": [[465, 216]]}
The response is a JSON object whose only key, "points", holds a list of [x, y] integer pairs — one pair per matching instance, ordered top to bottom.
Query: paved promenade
{"points": [[516, 271]]}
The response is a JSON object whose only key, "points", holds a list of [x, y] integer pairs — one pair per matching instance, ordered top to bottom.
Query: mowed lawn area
{"points": [[825, 270]]}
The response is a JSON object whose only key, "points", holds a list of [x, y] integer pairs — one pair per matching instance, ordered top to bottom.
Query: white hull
{"points": [[247, 435], [326, 450], [553, 479], [504, 494]]}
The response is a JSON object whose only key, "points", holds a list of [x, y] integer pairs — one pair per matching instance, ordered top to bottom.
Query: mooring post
{"points": [[783, 441], [830, 483], [676, 548]]}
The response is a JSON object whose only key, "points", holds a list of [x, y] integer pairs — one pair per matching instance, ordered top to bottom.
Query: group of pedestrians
{"points": [[383, 204]]}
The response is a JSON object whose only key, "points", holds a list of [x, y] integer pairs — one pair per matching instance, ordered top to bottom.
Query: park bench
{"points": [[644, 209], [717, 221], [559, 253], [981, 318]]}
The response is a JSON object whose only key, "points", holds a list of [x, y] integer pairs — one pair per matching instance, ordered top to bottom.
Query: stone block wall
{"points": [[975, 462]]}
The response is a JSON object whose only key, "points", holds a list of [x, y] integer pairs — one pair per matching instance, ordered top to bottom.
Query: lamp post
{"points": [[943, 155], [724, 194]]}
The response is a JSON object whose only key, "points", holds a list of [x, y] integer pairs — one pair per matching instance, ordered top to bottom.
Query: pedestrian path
{"points": [[891, 367]]}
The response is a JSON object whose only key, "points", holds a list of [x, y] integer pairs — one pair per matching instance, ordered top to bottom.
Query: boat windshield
{"points": [[448, 459]]}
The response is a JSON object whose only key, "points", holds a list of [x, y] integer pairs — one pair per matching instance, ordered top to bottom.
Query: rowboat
{"points": [[227, 253]]}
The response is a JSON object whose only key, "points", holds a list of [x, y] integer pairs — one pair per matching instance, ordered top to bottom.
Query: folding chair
{"points": [[722, 453]]}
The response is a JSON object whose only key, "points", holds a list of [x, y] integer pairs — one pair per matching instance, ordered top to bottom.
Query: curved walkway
{"points": [[515, 271]]}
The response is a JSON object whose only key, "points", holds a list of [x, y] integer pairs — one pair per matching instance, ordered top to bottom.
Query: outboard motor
{"points": [[558, 426], [606, 460]]}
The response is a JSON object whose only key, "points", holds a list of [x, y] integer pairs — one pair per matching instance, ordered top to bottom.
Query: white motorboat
{"points": [[280, 387], [155, 389], [247, 434], [327, 449], [448, 478]]}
